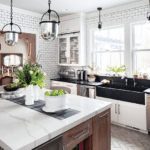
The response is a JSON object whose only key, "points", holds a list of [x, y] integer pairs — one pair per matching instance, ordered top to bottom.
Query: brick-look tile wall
{"points": [[48, 50]]}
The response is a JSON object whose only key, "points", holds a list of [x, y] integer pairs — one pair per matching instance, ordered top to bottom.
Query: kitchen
{"points": [[99, 54]]}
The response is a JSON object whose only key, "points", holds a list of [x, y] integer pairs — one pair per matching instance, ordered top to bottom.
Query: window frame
{"points": [[132, 47], [107, 51]]}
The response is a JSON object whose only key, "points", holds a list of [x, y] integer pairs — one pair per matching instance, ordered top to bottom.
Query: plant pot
{"points": [[135, 76], [145, 77], [91, 79], [11, 89], [36, 93], [29, 95], [55, 103]]}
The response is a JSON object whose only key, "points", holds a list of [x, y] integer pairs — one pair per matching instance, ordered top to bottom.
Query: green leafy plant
{"points": [[94, 68], [116, 69], [136, 73], [29, 74], [145, 74], [55, 93]]}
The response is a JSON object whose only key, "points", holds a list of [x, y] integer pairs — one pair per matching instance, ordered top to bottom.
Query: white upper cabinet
{"points": [[68, 26], [71, 46]]}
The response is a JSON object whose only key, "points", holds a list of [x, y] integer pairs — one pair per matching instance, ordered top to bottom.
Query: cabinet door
{"points": [[68, 26], [74, 49], [63, 50], [114, 108], [133, 115], [102, 131]]}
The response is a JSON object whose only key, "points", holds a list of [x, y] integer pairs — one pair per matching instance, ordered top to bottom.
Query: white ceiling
{"points": [[73, 6]]}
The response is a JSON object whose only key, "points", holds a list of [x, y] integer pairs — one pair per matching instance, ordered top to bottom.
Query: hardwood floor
{"points": [[126, 139]]}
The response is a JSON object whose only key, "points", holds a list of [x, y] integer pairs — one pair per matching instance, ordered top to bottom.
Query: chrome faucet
{"points": [[125, 77], [134, 82]]}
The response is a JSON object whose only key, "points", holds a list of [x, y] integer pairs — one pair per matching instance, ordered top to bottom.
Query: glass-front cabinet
{"points": [[69, 50]]}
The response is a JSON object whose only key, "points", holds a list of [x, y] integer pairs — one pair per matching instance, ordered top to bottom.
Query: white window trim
{"points": [[132, 48], [107, 51]]}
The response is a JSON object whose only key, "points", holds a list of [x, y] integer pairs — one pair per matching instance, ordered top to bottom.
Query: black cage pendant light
{"points": [[148, 14], [99, 23], [49, 29], [11, 37]]}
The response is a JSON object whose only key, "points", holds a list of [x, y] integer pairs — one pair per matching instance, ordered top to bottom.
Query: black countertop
{"points": [[77, 82]]}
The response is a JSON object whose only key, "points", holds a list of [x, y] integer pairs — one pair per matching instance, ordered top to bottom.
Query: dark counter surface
{"points": [[77, 82]]}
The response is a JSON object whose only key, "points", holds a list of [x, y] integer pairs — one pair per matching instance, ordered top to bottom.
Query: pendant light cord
{"points": [[49, 3], [11, 14], [99, 16]]}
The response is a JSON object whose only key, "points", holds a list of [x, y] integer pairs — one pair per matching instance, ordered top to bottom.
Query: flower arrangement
{"points": [[94, 69], [116, 69], [30, 74]]}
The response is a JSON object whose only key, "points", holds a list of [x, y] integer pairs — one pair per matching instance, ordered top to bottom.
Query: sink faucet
{"points": [[125, 77], [134, 82]]}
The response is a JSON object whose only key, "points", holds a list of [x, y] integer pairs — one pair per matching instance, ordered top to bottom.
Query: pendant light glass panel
{"points": [[49, 30], [11, 37]]}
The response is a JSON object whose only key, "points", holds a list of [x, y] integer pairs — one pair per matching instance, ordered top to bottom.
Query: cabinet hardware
{"points": [[115, 108], [119, 109], [100, 117], [84, 131]]}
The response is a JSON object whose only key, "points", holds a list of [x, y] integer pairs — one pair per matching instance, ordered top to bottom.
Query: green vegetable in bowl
{"points": [[60, 92], [47, 93], [55, 93]]}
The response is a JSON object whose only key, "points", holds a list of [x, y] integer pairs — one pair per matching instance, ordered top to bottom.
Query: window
{"points": [[108, 48], [141, 48]]}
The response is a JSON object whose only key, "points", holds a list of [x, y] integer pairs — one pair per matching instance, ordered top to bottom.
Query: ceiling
{"points": [[73, 6]]}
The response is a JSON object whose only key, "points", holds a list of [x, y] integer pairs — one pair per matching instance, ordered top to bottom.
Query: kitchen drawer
{"points": [[56, 83], [70, 85], [76, 135]]}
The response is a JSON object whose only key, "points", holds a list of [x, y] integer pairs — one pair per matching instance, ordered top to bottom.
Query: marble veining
{"points": [[22, 128]]}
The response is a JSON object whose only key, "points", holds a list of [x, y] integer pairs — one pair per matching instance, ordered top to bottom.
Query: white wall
{"points": [[123, 15], [29, 23]]}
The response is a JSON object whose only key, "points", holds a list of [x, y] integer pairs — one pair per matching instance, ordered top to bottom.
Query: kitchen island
{"points": [[22, 128]]}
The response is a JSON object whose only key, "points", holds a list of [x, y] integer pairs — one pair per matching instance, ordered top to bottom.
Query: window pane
{"points": [[142, 36], [109, 39], [109, 59], [142, 62]]}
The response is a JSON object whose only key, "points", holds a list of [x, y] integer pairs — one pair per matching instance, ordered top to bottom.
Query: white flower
{"points": [[20, 68], [31, 72], [45, 73], [16, 81]]}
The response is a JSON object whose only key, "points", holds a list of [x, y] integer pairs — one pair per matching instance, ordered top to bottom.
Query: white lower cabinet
{"points": [[72, 86], [126, 113]]}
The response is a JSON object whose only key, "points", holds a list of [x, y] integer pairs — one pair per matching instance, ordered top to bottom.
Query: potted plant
{"points": [[116, 70], [94, 71], [29, 75], [135, 75], [145, 76], [55, 101]]}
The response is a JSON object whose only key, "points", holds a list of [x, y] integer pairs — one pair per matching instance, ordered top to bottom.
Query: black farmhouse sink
{"points": [[126, 87], [122, 92]]}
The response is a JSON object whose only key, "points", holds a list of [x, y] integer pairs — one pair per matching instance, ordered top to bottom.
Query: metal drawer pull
{"points": [[116, 108], [119, 109], [100, 117], [75, 137]]}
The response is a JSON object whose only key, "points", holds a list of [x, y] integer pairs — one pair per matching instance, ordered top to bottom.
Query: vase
{"points": [[36, 93], [29, 95]]}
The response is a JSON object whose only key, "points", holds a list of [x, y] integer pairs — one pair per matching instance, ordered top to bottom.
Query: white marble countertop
{"points": [[22, 128]]}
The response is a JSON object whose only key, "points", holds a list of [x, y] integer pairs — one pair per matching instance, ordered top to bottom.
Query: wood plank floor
{"points": [[126, 139]]}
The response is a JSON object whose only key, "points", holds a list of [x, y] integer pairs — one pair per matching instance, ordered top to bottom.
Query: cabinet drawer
{"points": [[70, 85], [76, 135]]}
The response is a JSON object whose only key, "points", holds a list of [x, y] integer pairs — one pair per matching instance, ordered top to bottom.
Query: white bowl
{"points": [[91, 79], [55, 103]]}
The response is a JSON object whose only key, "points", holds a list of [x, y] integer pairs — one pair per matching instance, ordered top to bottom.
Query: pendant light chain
{"points": [[49, 3], [11, 14], [99, 16]]}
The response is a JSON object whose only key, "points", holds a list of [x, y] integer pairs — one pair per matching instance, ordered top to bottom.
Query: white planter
{"points": [[36, 92], [29, 95], [55, 103]]}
